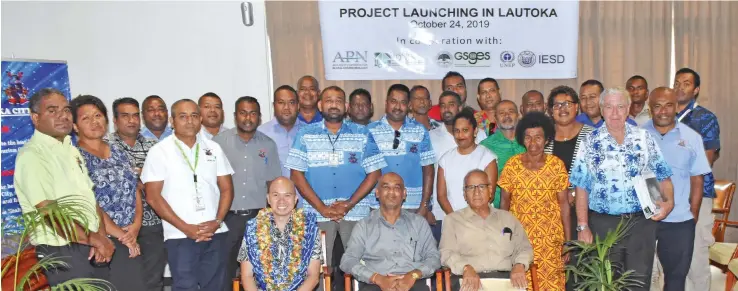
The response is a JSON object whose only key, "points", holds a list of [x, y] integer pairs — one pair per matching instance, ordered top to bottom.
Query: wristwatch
{"points": [[220, 222], [581, 227], [415, 276]]}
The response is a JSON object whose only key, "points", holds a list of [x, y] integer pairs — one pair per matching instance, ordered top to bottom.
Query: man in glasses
{"points": [[406, 146]]}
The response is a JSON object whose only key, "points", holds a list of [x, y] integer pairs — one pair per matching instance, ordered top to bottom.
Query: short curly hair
{"points": [[566, 90], [82, 100], [534, 120]]}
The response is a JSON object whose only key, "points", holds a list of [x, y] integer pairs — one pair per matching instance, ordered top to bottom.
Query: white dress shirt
{"points": [[165, 162]]}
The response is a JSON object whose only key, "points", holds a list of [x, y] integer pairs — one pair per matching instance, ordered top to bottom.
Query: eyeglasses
{"points": [[563, 105], [396, 142], [480, 187]]}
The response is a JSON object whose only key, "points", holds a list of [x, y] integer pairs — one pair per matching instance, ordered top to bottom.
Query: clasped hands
{"points": [[337, 210], [203, 231], [393, 282]]}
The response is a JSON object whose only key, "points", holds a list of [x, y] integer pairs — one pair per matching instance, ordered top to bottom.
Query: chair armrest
{"points": [[726, 222]]}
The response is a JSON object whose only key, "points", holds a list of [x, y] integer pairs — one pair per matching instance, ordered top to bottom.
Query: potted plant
{"points": [[22, 270], [593, 270]]}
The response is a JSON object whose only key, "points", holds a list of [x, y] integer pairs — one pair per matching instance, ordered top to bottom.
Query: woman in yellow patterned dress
{"points": [[534, 190]]}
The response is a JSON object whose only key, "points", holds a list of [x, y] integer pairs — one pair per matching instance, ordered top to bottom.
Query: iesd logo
{"points": [[443, 59], [472, 59], [507, 59], [527, 59], [350, 60]]}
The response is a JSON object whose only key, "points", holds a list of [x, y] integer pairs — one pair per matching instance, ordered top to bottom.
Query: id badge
{"points": [[335, 158], [199, 201]]}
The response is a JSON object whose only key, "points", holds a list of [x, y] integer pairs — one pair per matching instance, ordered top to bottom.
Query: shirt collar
{"points": [[690, 106], [316, 118], [407, 121], [298, 124], [344, 126], [652, 128], [167, 130], [45, 139], [198, 140], [468, 212], [377, 214]]}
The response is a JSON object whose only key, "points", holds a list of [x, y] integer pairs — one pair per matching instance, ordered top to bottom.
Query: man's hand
{"points": [[341, 208], [422, 210], [664, 210], [327, 211], [430, 218], [208, 227], [191, 231], [131, 234], [585, 235], [102, 248], [517, 277], [470, 279], [387, 283], [405, 283]]}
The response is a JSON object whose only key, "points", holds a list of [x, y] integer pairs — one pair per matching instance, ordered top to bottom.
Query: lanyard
{"points": [[687, 112], [333, 141], [187, 159]]}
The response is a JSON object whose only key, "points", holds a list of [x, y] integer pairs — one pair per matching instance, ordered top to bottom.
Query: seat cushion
{"points": [[722, 253], [733, 266]]}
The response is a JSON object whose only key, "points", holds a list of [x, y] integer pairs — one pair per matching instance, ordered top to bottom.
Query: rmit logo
{"points": [[350, 57]]}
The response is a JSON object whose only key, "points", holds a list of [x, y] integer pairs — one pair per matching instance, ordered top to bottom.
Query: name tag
{"points": [[334, 159], [198, 199]]}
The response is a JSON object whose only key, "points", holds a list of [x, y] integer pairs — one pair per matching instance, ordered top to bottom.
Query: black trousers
{"points": [[236, 227], [676, 243], [636, 249], [154, 254], [75, 255], [572, 255], [122, 272], [420, 285]]}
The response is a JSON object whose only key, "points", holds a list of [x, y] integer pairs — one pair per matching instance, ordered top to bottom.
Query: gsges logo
{"points": [[472, 59]]}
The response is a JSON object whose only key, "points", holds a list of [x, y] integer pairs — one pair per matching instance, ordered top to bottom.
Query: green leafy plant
{"points": [[59, 215], [594, 271]]}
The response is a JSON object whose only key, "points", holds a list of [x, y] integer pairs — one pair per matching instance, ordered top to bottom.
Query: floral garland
{"points": [[265, 220]]}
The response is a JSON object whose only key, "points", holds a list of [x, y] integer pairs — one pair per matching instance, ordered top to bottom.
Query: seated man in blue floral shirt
{"points": [[608, 162], [281, 247]]}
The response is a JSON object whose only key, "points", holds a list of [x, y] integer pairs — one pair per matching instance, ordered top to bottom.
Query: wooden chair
{"points": [[724, 191], [724, 255], [27, 260], [533, 268], [324, 269], [349, 281]]}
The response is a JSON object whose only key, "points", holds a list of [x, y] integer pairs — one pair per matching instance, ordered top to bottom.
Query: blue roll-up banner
{"points": [[22, 78]]}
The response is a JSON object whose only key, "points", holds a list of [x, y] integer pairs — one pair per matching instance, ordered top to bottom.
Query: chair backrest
{"points": [[724, 191], [723, 198]]}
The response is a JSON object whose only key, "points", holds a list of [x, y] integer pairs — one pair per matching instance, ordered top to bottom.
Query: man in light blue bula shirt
{"points": [[155, 118], [283, 128], [407, 149], [683, 150], [335, 164], [603, 172]]}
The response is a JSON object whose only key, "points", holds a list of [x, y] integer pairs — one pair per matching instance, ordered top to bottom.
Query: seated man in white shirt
{"points": [[188, 183]]}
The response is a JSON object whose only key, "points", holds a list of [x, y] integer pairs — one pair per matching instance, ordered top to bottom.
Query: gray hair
{"points": [[617, 91], [473, 172]]}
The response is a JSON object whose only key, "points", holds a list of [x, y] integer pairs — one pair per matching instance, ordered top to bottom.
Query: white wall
{"points": [[172, 49]]}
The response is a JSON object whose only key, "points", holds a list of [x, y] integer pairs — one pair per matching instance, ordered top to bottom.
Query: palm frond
{"points": [[593, 270], [84, 284]]}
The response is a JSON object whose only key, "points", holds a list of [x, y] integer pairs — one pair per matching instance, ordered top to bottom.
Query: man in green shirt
{"points": [[502, 142], [49, 167]]}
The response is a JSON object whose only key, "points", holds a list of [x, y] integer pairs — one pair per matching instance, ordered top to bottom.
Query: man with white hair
{"points": [[609, 161]]}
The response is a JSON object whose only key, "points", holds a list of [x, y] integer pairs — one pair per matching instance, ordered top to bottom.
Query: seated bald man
{"points": [[481, 241], [281, 247], [393, 248]]}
